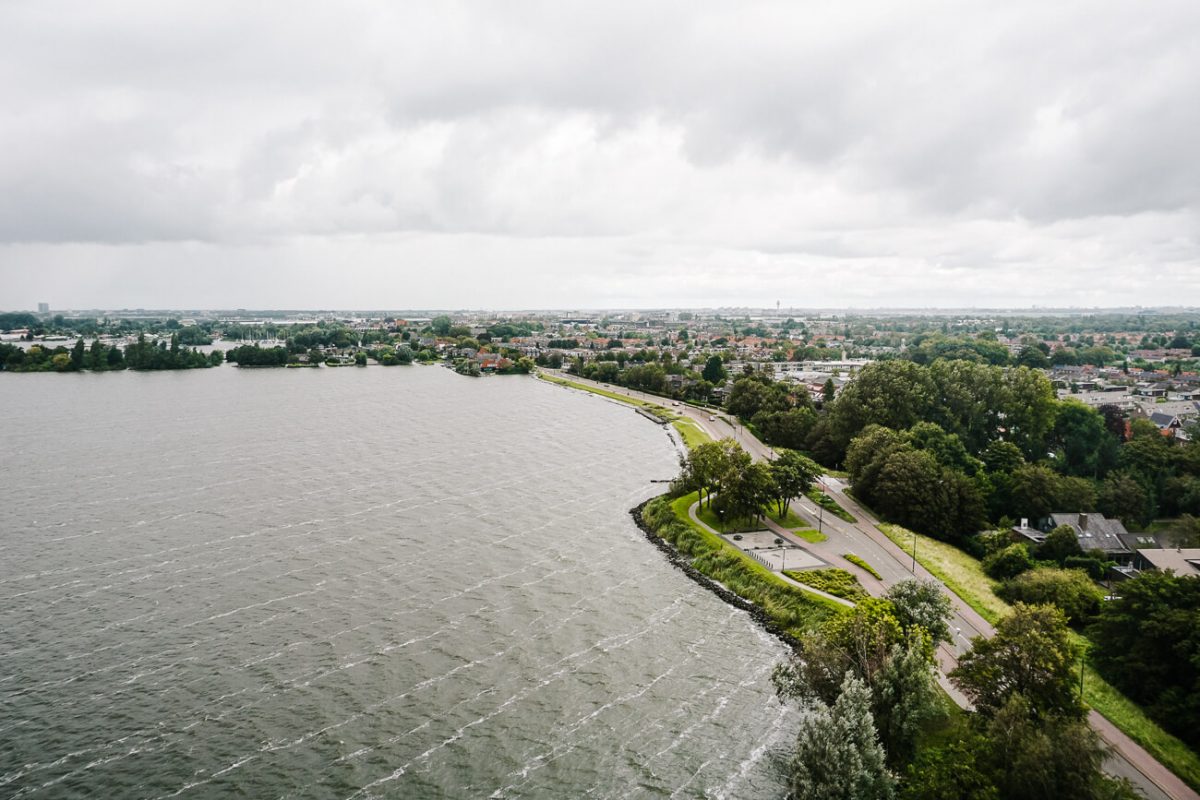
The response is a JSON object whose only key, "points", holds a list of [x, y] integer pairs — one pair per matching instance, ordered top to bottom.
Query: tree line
{"points": [[100, 357], [948, 447]]}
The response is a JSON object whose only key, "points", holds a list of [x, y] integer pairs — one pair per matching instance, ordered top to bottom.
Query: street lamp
{"points": [[821, 508], [914, 554]]}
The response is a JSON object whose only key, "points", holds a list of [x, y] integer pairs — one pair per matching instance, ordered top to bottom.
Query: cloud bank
{"points": [[525, 154]]}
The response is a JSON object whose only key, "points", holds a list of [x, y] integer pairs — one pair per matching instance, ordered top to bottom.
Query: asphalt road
{"points": [[862, 538]]}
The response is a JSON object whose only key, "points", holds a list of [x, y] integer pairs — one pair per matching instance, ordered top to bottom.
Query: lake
{"points": [[353, 583]]}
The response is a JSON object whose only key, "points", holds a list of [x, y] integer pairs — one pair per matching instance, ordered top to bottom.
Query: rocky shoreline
{"points": [[682, 563]]}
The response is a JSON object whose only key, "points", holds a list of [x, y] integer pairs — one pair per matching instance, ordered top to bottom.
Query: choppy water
{"points": [[356, 583]]}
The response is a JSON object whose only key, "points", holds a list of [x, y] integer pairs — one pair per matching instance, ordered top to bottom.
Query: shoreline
{"points": [[681, 562]]}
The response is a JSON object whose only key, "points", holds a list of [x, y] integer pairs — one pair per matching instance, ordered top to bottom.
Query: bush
{"points": [[989, 542], [1061, 544], [1008, 563], [1094, 567], [837, 582], [1069, 590]]}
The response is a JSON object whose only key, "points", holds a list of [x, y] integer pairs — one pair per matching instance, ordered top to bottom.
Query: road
{"points": [[863, 538]]}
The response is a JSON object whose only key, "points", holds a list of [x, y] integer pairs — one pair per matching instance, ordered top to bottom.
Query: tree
{"points": [[441, 325], [77, 354], [95, 355], [1033, 358], [714, 370], [828, 391], [1114, 420], [789, 428], [1087, 448], [1001, 456], [707, 465], [791, 475], [745, 490], [1123, 497], [1059, 545], [1008, 563], [1069, 590], [922, 604], [859, 641], [1147, 643], [1032, 655], [905, 696], [838, 754], [1033, 755], [950, 771]]}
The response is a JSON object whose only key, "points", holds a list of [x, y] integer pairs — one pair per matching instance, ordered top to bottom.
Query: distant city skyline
{"points": [[576, 155]]}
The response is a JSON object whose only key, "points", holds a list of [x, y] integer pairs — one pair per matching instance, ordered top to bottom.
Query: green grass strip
{"points": [[620, 398], [693, 435], [829, 504], [862, 564]]}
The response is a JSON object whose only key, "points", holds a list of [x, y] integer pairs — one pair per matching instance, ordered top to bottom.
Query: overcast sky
{"points": [[522, 154]]}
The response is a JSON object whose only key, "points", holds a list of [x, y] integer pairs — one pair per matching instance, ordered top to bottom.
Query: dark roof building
{"points": [[1095, 532]]}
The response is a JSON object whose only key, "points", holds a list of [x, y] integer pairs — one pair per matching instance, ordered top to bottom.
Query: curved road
{"points": [[1127, 759]]}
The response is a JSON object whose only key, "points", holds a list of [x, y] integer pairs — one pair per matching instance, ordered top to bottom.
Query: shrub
{"points": [[1061, 543], [1008, 563], [1094, 567], [837, 582], [1070, 590]]}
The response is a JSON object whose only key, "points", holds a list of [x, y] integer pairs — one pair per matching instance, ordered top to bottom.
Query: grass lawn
{"points": [[693, 435], [829, 504], [710, 518], [811, 536], [962, 574]]}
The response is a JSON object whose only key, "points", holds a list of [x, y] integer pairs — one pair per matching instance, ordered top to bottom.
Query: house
{"points": [[1165, 422], [1095, 532], [1182, 561]]}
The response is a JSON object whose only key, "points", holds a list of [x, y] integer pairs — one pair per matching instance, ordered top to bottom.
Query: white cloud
{"points": [[586, 154]]}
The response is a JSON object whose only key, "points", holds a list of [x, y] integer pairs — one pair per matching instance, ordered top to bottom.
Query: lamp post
{"points": [[821, 509], [914, 554]]}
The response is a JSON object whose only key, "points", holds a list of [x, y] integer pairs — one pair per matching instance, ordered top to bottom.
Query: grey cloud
{"points": [[973, 136]]}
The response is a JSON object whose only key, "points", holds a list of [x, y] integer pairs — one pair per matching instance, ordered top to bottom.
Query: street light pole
{"points": [[821, 510], [914, 553]]}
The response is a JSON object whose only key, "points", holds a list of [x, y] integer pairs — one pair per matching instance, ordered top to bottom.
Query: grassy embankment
{"points": [[689, 431], [829, 504], [791, 521], [964, 576], [793, 610]]}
